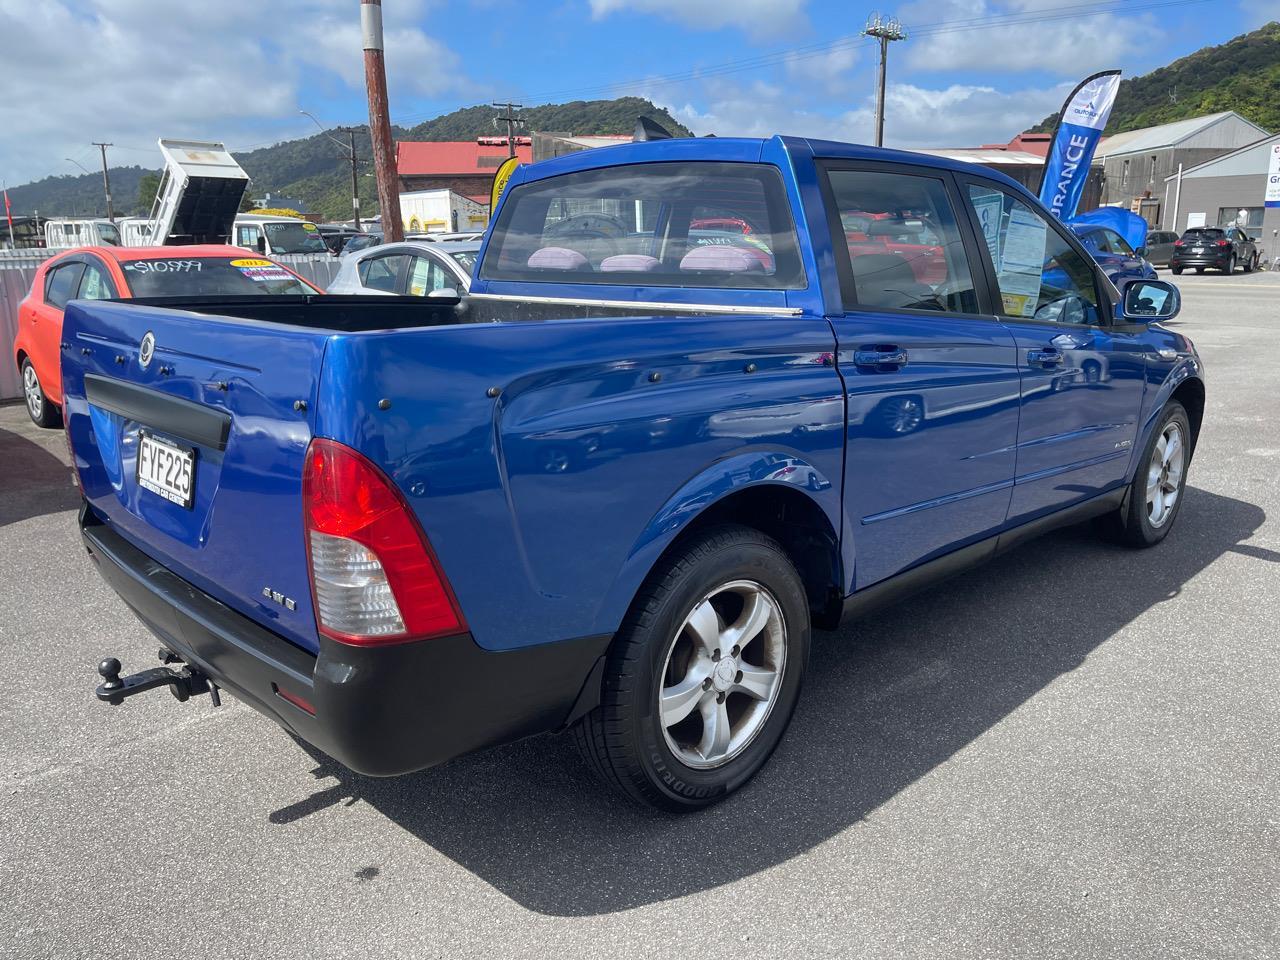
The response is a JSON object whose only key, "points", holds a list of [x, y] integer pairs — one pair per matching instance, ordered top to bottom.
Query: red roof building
{"points": [[466, 167]]}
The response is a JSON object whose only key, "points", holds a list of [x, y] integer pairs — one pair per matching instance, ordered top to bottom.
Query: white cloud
{"points": [[760, 18], [1072, 47], [828, 69], [130, 71], [915, 116]]}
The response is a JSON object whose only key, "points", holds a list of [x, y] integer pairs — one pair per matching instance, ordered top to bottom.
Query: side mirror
{"points": [[261, 244], [1141, 252], [1143, 301]]}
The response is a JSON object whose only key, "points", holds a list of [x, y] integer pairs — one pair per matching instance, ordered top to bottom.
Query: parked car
{"points": [[272, 235], [336, 235], [471, 236], [373, 238], [1159, 248], [1222, 248], [1119, 261], [413, 268], [108, 273], [612, 489]]}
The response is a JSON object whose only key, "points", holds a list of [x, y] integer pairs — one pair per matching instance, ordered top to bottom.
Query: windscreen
{"points": [[695, 224], [294, 237], [466, 259], [210, 276]]}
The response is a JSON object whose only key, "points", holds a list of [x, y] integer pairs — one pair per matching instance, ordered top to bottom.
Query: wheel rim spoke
{"points": [[756, 612], [704, 625], [756, 681], [682, 699], [716, 731]]}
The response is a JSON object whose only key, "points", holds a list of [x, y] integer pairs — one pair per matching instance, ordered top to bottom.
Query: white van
{"points": [[64, 234], [274, 236]]}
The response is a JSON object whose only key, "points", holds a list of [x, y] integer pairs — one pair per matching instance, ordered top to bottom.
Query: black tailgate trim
{"points": [[183, 418]]}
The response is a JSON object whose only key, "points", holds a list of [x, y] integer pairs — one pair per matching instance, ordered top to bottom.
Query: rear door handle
{"points": [[882, 357], [1048, 357]]}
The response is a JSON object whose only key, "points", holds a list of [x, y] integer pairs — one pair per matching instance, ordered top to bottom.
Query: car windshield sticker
{"points": [[990, 208], [1022, 262], [164, 266], [270, 272]]}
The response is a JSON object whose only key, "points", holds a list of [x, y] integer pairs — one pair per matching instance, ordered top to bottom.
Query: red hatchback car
{"points": [[108, 273]]}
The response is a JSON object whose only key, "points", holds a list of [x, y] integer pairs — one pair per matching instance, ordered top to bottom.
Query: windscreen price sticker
{"points": [[164, 266], [261, 270]]}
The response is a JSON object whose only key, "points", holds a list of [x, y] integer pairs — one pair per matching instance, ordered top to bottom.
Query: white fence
{"points": [[18, 268]]}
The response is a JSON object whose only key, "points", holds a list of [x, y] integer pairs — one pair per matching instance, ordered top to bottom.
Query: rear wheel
{"points": [[1230, 268], [1199, 269], [1177, 271], [42, 411], [1155, 495], [702, 679]]}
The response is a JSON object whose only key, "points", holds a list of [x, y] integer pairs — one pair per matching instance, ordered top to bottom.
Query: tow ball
{"points": [[183, 684]]}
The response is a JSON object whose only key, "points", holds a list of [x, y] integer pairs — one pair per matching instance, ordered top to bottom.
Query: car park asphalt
{"points": [[1069, 752]]}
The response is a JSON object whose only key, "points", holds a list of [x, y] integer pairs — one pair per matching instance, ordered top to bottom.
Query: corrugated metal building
{"points": [[1227, 190]]}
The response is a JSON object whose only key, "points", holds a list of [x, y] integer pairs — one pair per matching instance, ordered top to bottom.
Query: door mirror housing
{"points": [[261, 244], [1144, 301]]}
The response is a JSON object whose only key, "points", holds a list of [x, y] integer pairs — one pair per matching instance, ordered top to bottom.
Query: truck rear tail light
{"points": [[374, 577]]}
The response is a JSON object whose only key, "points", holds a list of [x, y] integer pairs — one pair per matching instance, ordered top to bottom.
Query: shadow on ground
{"points": [[33, 481], [887, 699]]}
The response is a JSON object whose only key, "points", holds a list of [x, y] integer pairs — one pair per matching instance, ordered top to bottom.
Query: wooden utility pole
{"points": [[884, 29], [511, 121], [384, 157], [106, 180], [355, 180]]}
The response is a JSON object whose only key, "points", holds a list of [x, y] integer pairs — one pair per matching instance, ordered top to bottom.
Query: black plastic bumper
{"points": [[1212, 261], [381, 711]]}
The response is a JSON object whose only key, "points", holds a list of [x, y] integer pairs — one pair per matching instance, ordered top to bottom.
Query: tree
{"points": [[148, 187], [246, 202]]}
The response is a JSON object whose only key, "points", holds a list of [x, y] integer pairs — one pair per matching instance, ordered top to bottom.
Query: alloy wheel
{"points": [[32, 392], [1164, 475], [722, 674]]}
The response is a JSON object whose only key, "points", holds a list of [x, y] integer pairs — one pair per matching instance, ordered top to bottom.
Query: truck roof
{"points": [[741, 150]]}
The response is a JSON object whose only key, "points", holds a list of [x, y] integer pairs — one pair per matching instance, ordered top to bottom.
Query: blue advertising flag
{"points": [[1080, 125]]}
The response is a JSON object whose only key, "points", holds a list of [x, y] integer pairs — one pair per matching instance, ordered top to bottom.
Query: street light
{"points": [[350, 148], [79, 164]]}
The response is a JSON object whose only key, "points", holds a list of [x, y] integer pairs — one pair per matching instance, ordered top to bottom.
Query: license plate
{"points": [[1198, 250], [167, 469]]}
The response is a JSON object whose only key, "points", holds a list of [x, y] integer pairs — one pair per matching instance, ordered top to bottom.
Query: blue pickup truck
{"points": [[702, 397]]}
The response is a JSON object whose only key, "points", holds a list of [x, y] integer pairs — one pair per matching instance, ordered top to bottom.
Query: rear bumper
{"points": [[1216, 260], [380, 711]]}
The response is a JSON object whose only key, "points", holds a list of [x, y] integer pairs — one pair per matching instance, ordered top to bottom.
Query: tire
{"points": [[1250, 263], [1230, 268], [1199, 269], [1177, 271], [40, 408], [1135, 523], [710, 579]]}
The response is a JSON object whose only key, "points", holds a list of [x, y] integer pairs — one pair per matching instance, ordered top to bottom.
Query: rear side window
{"points": [[697, 224], [905, 250], [382, 273], [61, 284], [95, 285]]}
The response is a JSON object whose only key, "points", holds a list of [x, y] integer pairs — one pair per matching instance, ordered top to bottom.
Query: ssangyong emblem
{"points": [[146, 349]]}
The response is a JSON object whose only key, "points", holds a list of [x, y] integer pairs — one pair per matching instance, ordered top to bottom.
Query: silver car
{"points": [[413, 268]]}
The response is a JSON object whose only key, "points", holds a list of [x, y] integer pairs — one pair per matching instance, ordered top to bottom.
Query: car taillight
{"points": [[1177, 243], [1224, 243], [374, 577]]}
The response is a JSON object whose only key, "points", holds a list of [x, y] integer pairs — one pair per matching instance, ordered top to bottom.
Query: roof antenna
{"points": [[647, 129]]}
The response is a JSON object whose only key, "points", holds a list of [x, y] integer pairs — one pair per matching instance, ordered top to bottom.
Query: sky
{"points": [[129, 71]]}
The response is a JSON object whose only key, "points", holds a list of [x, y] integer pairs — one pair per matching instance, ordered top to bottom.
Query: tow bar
{"points": [[183, 684]]}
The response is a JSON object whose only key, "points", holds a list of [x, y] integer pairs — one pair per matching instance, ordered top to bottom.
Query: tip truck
{"points": [[703, 397]]}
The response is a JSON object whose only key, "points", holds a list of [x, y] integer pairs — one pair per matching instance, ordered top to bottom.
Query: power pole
{"points": [[884, 29], [511, 120], [384, 157], [106, 179], [355, 180]]}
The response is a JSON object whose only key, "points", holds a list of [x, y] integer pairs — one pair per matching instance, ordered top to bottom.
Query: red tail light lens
{"points": [[1177, 243], [1224, 243], [374, 577]]}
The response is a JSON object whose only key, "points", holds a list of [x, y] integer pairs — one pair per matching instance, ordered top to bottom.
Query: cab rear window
{"points": [[697, 224], [220, 276]]}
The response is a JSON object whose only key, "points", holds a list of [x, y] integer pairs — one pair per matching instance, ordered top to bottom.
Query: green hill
{"points": [[1241, 75], [314, 169]]}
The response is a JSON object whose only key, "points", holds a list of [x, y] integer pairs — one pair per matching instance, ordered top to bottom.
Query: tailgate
{"points": [[213, 424]]}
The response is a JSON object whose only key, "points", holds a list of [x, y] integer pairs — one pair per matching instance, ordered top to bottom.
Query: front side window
{"points": [[696, 224], [108, 234], [247, 237], [1117, 243], [904, 246], [1040, 275], [427, 276], [95, 285]]}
